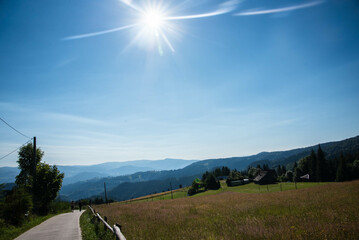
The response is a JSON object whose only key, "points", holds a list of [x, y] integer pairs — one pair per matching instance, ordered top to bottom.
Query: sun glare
{"points": [[153, 19]]}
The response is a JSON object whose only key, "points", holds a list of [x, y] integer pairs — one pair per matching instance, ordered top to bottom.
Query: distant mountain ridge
{"points": [[78, 173], [115, 185]]}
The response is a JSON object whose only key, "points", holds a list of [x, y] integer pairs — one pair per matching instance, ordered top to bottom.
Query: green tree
{"points": [[312, 160], [26, 164], [303, 165], [294, 166], [321, 166], [356, 169], [341, 170], [225, 171], [217, 172], [253, 172], [297, 174], [235, 175], [289, 175], [204, 176], [211, 182], [48, 183], [18, 202]]}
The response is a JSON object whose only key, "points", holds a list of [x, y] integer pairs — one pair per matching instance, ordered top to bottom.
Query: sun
{"points": [[153, 19], [152, 22], [154, 26]]}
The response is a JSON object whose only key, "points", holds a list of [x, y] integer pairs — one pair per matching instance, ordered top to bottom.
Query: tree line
{"points": [[316, 166], [320, 169], [37, 186]]}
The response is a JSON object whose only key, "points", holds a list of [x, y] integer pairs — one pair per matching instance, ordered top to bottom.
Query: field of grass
{"points": [[248, 188], [255, 188], [178, 193], [323, 211], [92, 229]]}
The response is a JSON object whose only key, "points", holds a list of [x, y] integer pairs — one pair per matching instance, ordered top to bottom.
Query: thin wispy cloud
{"points": [[224, 8], [280, 10], [98, 33], [64, 63], [74, 118]]}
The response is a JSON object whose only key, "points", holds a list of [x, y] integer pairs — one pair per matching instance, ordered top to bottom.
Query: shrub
{"points": [[211, 182], [191, 191], [17, 203]]}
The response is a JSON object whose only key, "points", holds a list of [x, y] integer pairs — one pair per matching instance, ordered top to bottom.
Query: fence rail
{"points": [[116, 229]]}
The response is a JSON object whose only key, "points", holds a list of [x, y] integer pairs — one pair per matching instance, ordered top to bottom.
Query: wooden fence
{"points": [[116, 229]]}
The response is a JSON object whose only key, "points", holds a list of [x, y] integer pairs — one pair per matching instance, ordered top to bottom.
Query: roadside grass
{"points": [[323, 211], [91, 229], [8, 231]]}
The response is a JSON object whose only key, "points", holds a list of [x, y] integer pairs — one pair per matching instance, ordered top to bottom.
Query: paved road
{"points": [[61, 227]]}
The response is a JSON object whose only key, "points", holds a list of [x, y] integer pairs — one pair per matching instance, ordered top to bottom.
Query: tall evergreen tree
{"points": [[304, 164], [294, 166], [312, 166], [321, 166], [341, 170], [297, 174]]}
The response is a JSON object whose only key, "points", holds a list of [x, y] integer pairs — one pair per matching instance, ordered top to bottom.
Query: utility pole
{"points": [[34, 156], [34, 172], [104, 184]]}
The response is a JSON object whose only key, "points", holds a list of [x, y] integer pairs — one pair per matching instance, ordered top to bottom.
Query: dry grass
{"points": [[160, 196], [328, 211]]}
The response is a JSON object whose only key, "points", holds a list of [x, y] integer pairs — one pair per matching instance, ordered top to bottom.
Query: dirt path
{"points": [[61, 227]]}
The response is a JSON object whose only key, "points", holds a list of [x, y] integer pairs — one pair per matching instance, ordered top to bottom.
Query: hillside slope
{"points": [[92, 187], [328, 211]]}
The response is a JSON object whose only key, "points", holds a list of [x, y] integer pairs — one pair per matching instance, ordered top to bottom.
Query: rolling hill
{"points": [[78, 173], [92, 187]]}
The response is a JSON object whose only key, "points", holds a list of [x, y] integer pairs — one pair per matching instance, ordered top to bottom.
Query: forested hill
{"points": [[331, 149], [95, 186]]}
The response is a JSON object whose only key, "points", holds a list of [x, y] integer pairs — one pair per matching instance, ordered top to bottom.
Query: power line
{"points": [[14, 129], [15, 150]]}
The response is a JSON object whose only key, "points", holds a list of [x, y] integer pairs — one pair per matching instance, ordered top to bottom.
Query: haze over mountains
{"points": [[78, 173], [125, 180], [142, 183]]}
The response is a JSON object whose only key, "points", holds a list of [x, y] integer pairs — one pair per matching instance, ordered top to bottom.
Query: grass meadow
{"points": [[248, 188], [323, 211]]}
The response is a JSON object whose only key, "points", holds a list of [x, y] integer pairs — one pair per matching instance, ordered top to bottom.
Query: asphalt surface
{"points": [[61, 227]]}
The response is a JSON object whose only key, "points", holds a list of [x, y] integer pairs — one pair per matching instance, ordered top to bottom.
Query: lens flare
{"points": [[153, 19]]}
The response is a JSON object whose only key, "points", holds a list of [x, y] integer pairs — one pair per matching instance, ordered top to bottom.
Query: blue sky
{"points": [[213, 79]]}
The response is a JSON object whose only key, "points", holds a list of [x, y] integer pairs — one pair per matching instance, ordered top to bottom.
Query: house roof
{"points": [[262, 174]]}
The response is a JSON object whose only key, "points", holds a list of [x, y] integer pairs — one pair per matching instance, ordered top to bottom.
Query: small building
{"points": [[266, 177], [305, 178], [237, 182], [234, 183]]}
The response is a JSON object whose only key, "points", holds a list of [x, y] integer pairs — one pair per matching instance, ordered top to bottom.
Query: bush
{"points": [[211, 182], [191, 191], [17, 203], [58, 207]]}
